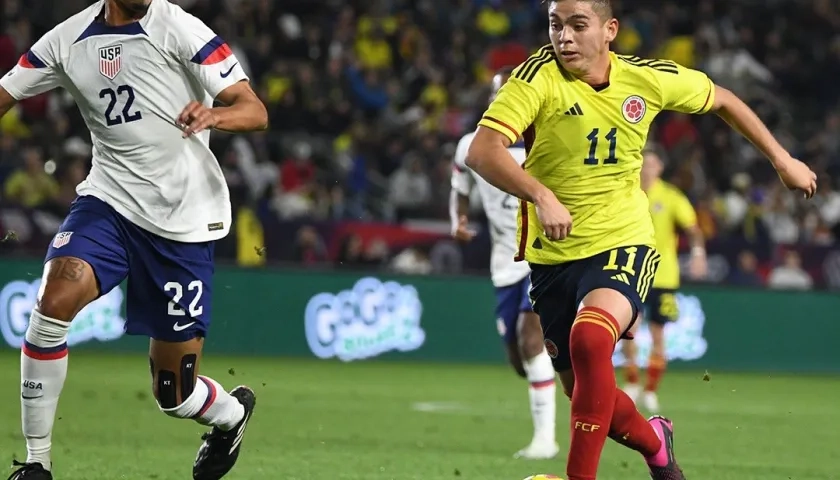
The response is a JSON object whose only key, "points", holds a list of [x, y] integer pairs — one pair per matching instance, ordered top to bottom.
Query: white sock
{"points": [[43, 368], [542, 390], [209, 404]]}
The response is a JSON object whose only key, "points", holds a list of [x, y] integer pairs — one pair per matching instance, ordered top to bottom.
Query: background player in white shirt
{"points": [[144, 74], [518, 325]]}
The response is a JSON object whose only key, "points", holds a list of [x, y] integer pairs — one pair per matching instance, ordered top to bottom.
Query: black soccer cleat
{"points": [[218, 454], [30, 471]]}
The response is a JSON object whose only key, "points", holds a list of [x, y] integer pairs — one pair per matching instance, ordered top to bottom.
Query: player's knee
{"points": [[69, 285], [61, 305], [583, 344], [531, 345], [657, 350]]}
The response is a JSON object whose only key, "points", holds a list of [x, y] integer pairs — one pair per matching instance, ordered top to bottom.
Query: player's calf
{"points": [[68, 285], [605, 316], [530, 336], [592, 339], [515, 358], [657, 364], [631, 369], [43, 371], [539, 372], [567, 381], [542, 388], [182, 393], [206, 401], [627, 426]]}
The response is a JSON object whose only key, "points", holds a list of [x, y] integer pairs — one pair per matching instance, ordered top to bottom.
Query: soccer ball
{"points": [[543, 476]]}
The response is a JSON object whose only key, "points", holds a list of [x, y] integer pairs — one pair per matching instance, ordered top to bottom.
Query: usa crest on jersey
{"points": [[110, 60], [61, 239]]}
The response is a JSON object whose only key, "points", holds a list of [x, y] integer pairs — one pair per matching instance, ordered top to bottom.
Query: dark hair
{"points": [[602, 7], [506, 70]]}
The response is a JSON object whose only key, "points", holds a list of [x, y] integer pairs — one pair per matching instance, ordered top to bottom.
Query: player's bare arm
{"points": [[7, 102], [242, 111], [489, 157], [794, 174], [459, 197], [459, 205], [697, 266]]}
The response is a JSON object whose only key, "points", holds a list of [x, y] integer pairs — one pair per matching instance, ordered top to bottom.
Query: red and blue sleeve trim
{"points": [[215, 51], [30, 60]]}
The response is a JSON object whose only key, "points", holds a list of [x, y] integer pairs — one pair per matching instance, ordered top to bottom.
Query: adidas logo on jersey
{"points": [[575, 110], [621, 277]]}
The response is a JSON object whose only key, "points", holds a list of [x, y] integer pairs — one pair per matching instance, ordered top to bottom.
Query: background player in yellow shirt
{"points": [[671, 211], [585, 228]]}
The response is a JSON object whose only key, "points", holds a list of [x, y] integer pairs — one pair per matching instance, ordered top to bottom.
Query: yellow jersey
{"points": [[585, 144], [670, 210]]}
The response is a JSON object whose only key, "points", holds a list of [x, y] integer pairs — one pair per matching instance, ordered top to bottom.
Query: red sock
{"points": [[592, 341], [655, 370], [631, 373], [629, 428]]}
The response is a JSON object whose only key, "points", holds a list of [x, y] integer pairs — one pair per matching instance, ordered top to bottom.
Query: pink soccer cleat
{"points": [[663, 465]]}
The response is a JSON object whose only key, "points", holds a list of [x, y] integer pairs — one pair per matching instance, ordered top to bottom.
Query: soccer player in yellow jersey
{"points": [[671, 211], [584, 226]]}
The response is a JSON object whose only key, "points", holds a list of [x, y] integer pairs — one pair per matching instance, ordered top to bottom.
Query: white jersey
{"points": [[130, 84], [500, 208]]}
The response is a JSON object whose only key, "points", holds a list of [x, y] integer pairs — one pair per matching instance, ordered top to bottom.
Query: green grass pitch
{"points": [[377, 421]]}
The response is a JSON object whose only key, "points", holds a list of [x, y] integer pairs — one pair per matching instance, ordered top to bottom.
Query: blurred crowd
{"points": [[367, 99]]}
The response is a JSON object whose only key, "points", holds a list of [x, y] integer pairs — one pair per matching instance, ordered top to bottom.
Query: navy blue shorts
{"points": [[169, 282], [557, 291], [512, 300], [661, 306]]}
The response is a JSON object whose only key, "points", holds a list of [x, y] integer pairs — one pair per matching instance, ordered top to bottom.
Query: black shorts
{"points": [[557, 290], [661, 306]]}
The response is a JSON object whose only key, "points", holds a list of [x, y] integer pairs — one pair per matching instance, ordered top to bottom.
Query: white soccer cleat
{"points": [[634, 391], [651, 402], [538, 450]]}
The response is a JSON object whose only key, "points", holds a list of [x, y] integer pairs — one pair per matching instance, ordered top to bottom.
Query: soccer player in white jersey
{"points": [[145, 75], [518, 325]]}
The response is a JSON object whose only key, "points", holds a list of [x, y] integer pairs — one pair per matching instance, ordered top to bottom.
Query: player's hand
{"points": [[195, 118], [798, 176], [554, 217], [463, 232], [698, 266]]}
